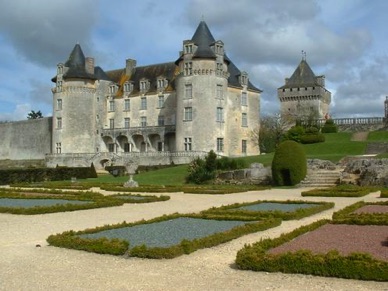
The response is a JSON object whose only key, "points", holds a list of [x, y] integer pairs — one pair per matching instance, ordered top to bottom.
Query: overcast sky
{"points": [[345, 40]]}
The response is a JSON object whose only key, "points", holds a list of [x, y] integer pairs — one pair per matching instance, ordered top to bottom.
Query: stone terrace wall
{"points": [[25, 140]]}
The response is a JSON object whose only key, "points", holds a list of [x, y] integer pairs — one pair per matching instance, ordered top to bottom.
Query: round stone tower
{"points": [[201, 93], [74, 105]]}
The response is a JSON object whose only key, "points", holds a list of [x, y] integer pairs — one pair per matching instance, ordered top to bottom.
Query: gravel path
{"points": [[23, 266]]}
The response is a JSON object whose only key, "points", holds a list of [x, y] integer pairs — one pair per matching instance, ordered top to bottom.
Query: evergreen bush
{"points": [[329, 127], [295, 133], [289, 164]]}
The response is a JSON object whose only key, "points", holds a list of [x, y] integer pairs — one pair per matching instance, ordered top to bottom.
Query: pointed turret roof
{"points": [[203, 39], [76, 58], [302, 76]]}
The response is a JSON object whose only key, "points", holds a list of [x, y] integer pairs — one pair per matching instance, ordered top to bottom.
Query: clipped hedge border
{"points": [[54, 185], [210, 189], [340, 191], [384, 193], [145, 198], [96, 201], [297, 214], [347, 215], [72, 240], [360, 266]]}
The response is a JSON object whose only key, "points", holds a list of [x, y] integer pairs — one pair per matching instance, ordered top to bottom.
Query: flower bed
{"points": [[340, 191], [285, 210], [162, 237], [351, 246]]}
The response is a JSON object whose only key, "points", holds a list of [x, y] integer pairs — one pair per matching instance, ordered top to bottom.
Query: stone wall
{"points": [[25, 140]]}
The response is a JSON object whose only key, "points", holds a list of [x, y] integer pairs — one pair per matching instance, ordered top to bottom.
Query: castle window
{"points": [[188, 49], [219, 49], [188, 68], [219, 68], [60, 69], [244, 78], [162, 83], [144, 85], [59, 86], [128, 87], [313, 88], [112, 89], [290, 89], [298, 89], [284, 90], [189, 91], [220, 92], [244, 99], [161, 101], [59, 104], [127, 104], [112, 105], [143, 105], [188, 114], [220, 114], [161, 120], [244, 120], [143, 121], [59, 122], [127, 122], [111, 123], [187, 144], [220, 144], [244, 146], [58, 147], [111, 147], [127, 147]]}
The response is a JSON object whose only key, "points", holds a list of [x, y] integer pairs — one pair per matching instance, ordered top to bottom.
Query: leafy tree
{"points": [[34, 115], [270, 133]]}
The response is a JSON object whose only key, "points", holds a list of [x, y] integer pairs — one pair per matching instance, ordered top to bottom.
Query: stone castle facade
{"points": [[304, 96], [197, 103]]}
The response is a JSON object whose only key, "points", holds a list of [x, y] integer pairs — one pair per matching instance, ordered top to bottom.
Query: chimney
{"points": [[89, 65], [130, 66]]}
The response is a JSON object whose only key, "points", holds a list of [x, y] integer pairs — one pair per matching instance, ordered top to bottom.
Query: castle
{"points": [[304, 96], [156, 114]]}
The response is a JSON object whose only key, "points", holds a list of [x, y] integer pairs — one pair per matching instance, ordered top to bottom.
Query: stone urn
{"points": [[131, 168]]}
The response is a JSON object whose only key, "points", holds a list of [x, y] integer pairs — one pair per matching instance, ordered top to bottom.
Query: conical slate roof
{"points": [[203, 39], [76, 58], [303, 76]]}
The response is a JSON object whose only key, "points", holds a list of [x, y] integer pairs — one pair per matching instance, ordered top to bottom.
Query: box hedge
{"points": [[289, 164]]}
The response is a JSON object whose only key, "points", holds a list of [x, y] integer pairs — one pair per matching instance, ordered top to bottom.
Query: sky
{"points": [[345, 40]]}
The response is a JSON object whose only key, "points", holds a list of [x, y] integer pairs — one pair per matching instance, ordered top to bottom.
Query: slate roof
{"points": [[203, 39], [76, 67], [302, 77]]}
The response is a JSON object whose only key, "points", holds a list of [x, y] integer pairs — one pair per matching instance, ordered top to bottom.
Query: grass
{"points": [[378, 136]]}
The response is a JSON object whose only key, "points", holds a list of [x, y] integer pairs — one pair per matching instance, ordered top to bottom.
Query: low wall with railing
{"points": [[355, 124]]}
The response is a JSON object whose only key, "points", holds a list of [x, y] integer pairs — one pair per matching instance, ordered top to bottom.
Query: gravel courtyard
{"points": [[24, 266]]}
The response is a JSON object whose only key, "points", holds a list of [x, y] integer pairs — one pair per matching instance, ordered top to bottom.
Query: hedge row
{"points": [[11, 176], [340, 191], [384, 193], [96, 200], [289, 215], [347, 215], [72, 239], [332, 264]]}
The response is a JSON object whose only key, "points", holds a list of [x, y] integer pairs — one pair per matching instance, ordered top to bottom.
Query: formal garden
{"points": [[353, 244]]}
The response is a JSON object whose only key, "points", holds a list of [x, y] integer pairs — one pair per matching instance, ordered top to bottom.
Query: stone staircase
{"points": [[320, 178]]}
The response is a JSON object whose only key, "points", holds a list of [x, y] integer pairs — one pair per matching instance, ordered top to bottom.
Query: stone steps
{"points": [[321, 178]]}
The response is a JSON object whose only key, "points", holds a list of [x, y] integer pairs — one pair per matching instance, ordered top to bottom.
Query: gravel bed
{"points": [[29, 203], [271, 206], [372, 209], [167, 233], [344, 238]]}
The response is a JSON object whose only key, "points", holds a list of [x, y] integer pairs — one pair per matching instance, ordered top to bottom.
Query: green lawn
{"points": [[378, 136]]}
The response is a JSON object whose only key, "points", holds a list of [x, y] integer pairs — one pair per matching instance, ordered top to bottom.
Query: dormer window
{"points": [[188, 48], [219, 48], [60, 69], [244, 78], [162, 83], [144, 85], [59, 86], [128, 87], [112, 89]]}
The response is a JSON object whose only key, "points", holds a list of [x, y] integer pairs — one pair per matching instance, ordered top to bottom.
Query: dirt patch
{"points": [[360, 136], [372, 209], [344, 238]]}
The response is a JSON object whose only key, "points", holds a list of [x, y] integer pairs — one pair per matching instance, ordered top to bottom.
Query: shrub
{"points": [[329, 127], [295, 133], [312, 138], [289, 165], [198, 172]]}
